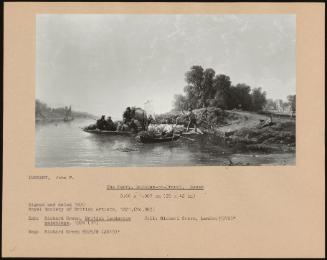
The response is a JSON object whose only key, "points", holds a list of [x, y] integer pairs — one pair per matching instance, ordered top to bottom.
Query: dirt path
{"points": [[247, 119]]}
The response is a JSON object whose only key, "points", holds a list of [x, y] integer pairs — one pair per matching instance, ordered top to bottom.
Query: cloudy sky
{"points": [[103, 63]]}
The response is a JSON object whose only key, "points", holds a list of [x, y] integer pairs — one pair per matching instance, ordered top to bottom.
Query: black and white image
{"points": [[125, 90]]}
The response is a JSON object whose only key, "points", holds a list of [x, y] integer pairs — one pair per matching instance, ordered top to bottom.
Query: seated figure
{"points": [[101, 123]]}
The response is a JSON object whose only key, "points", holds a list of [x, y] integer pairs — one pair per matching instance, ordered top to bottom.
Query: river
{"points": [[64, 144]]}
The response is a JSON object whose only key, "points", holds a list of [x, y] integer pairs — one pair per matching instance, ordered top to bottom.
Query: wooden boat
{"points": [[107, 132], [159, 139]]}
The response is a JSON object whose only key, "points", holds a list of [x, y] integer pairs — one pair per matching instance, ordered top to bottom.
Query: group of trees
{"points": [[205, 88], [282, 106], [42, 109]]}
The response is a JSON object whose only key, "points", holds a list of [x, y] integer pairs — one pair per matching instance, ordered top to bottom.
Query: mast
{"points": [[68, 114]]}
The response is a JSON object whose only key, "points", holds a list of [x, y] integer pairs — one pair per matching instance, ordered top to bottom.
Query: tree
{"points": [[222, 86], [205, 88], [194, 89], [208, 91], [191, 96], [240, 97], [258, 99], [180, 102], [292, 102], [271, 105], [41, 109]]}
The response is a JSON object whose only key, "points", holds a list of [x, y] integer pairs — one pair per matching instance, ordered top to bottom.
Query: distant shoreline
{"points": [[44, 113], [60, 119]]}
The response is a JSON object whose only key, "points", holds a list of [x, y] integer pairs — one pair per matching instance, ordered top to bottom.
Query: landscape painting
{"points": [[126, 90]]}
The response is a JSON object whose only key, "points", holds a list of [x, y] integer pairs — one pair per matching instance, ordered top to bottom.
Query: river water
{"points": [[64, 144]]}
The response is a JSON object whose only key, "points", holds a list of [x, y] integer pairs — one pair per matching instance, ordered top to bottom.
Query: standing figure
{"points": [[204, 113], [127, 116], [192, 120], [101, 123]]}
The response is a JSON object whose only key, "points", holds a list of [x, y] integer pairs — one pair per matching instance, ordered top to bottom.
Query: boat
{"points": [[68, 115], [107, 132], [157, 139]]}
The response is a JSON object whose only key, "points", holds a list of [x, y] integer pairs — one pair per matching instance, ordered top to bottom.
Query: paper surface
{"points": [[197, 211]]}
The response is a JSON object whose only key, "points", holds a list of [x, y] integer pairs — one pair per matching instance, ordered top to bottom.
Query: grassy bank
{"points": [[241, 130], [278, 136]]}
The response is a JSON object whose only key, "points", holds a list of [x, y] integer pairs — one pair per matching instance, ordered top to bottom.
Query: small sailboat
{"points": [[68, 114]]}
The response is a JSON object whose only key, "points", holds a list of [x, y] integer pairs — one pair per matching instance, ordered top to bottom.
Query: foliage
{"points": [[222, 86], [204, 88], [241, 97], [258, 99], [180, 102], [292, 102], [271, 105], [282, 106]]}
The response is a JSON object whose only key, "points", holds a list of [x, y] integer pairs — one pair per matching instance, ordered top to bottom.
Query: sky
{"points": [[103, 63]]}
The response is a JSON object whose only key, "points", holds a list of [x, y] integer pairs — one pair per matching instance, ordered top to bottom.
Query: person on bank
{"points": [[192, 120]]}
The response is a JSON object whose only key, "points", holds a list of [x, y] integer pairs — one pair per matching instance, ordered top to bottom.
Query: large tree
{"points": [[222, 84], [205, 88], [194, 89], [208, 91], [240, 97], [258, 99]]}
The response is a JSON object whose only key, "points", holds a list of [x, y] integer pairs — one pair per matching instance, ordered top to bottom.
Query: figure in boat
{"points": [[133, 121]]}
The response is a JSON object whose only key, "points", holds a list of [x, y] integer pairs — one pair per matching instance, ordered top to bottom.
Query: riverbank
{"points": [[242, 130], [66, 145]]}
